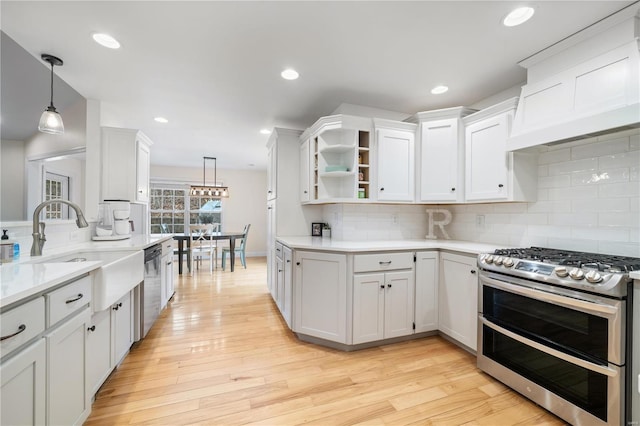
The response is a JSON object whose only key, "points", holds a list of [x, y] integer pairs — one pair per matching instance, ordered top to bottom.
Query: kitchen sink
{"points": [[120, 272]]}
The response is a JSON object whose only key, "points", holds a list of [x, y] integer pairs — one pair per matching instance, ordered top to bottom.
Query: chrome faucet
{"points": [[38, 227]]}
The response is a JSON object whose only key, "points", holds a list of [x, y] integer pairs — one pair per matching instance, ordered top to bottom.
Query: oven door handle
{"points": [[588, 307], [550, 351]]}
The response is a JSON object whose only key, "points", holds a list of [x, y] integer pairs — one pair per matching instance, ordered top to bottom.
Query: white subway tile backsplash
{"points": [[634, 142], [598, 149], [555, 156], [622, 159], [575, 166], [543, 170], [600, 177], [557, 181], [629, 189], [573, 193], [601, 205], [558, 206], [529, 219], [573, 219], [626, 219], [601, 234], [573, 244], [621, 249]]}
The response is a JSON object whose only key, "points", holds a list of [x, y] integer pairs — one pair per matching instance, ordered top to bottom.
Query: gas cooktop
{"points": [[600, 262], [580, 271]]}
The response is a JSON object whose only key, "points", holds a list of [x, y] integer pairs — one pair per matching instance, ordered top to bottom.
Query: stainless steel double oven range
{"points": [[555, 326]]}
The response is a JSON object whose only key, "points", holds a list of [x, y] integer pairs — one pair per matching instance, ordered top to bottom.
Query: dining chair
{"points": [[203, 247], [239, 249]]}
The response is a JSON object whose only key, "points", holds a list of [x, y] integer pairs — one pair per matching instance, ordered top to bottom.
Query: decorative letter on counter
{"points": [[440, 223]]}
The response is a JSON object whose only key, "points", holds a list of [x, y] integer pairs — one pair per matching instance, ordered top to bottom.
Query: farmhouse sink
{"points": [[120, 272]]}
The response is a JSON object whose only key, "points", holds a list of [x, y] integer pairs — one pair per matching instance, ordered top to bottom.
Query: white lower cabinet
{"points": [[166, 273], [426, 291], [278, 293], [287, 294], [320, 295], [458, 298], [382, 305], [121, 328], [99, 350], [23, 386], [68, 399]]}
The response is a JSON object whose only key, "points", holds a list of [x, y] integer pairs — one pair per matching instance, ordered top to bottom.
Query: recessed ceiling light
{"points": [[518, 16], [106, 40], [290, 74], [438, 90], [161, 120], [265, 131]]}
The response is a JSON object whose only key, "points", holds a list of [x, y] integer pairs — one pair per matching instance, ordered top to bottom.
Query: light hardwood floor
{"points": [[221, 354]]}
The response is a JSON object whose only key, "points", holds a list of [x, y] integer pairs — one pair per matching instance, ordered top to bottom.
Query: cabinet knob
{"points": [[500, 185], [381, 189], [453, 190], [269, 192], [305, 192], [288, 261], [298, 263], [473, 271], [389, 285], [382, 286], [92, 328]]}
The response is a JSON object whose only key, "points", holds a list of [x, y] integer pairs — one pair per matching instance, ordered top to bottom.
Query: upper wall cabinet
{"points": [[440, 148], [395, 150], [338, 158], [125, 165], [493, 173]]}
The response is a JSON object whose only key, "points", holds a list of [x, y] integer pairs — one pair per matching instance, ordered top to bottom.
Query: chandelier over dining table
{"points": [[214, 190]]}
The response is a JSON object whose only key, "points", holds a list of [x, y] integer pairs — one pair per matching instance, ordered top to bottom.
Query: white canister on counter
{"points": [[6, 251]]}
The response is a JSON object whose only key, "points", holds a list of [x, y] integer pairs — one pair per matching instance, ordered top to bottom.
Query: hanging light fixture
{"points": [[51, 121], [210, 190]]}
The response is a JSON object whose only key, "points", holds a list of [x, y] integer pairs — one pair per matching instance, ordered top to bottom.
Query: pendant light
{"points": [[51, 121], [210, 190]]}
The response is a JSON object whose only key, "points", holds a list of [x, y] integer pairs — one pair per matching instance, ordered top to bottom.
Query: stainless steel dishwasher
{"points": [[147, 294]]}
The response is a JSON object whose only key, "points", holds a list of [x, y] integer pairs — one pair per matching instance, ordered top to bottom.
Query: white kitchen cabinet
{"points": [[339, 147], [395, 153], [125, 165], [272, 167], [305, 171], [440, 171], [492, 173], [285, 214], [166, 273], [279, 288], [320, 295], [287, 296], [383, 298], [458, 298], [382, 305], [426, 316], [121, 328], [98, 350], [23, 386], [67, 393]]}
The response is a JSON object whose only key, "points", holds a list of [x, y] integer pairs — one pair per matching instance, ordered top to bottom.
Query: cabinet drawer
{"points": [[167, 248], [279, 250], [382, 261], [67, 299], [23, 322]]}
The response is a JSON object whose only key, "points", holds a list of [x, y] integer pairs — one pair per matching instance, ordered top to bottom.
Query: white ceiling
{"points": [[213, 68]]}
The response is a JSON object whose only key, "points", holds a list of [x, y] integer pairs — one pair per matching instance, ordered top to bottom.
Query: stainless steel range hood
{"points": [[583, 86]]}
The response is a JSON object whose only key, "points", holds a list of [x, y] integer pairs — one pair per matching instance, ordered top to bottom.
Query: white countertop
{"points": [[328, 244], [635, 275], [22, 279]]}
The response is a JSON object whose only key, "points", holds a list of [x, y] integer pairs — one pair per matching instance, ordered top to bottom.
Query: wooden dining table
{"points": [[218, 236]]}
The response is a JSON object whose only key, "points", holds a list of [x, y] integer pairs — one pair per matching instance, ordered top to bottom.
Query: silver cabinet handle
{"points": [[388, 262], [75, 299], [21, 328]]}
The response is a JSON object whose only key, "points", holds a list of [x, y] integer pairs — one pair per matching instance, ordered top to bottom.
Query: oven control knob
{"points": [[488, 258], [498, 260], [507, 262], [561, 271], [576, 274], [593, 277]]}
